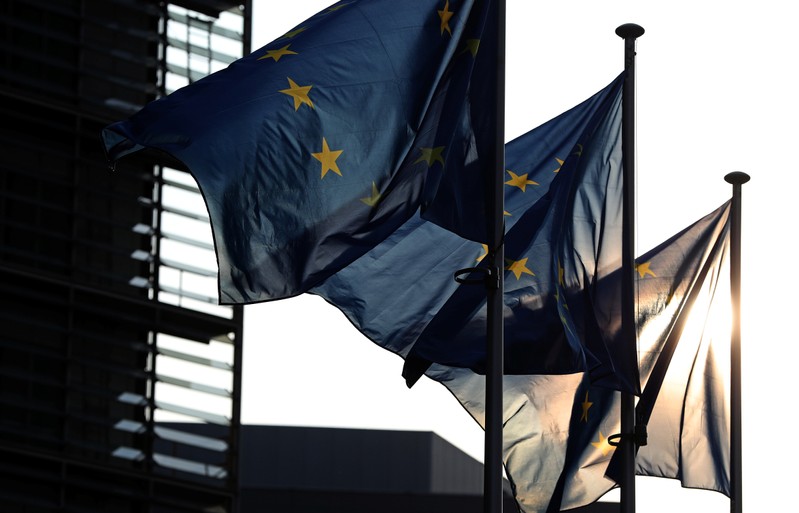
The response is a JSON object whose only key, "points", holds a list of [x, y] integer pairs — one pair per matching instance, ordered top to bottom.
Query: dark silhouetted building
{"points": [[108, 301], [286, 469]]}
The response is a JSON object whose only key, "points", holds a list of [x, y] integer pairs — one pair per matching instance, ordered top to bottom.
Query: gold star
{"points": [[337, 7], [445, 16], [292, 34], [472, 45], [277, 54], [299, 93], [579, 150], [431, 156], [328, 158], [560, 165], [519, 181], [374, 198], [485, 252], [518, 267], [643, 269], [561, 272], [564, 305], [563, 309], [565, 321], [586, 405], [603, 445]]}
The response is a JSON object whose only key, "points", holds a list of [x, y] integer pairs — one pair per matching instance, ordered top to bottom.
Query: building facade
{"points": [[111, 326]]}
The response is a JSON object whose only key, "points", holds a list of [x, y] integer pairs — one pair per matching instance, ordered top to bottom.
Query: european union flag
{"points": [[313, 149], [563, 183], [557, 254], [681, 294], [686, 400], [556, 427]]}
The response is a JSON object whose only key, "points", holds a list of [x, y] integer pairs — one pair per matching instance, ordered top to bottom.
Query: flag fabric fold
{"points": [[313, 149], [563, 200], [557, 255], [677, 283], [689, 407], [556, 427]]}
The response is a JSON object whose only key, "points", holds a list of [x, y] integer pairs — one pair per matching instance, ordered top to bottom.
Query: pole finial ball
{"points": [[629, 30], [736, 178]]}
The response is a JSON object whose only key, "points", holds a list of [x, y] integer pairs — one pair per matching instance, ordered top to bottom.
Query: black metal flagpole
{"points": [[629, 32], [737, 179], [492, 479]]}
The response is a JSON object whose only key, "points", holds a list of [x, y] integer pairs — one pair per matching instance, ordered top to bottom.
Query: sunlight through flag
{"points": [[557, 427]]}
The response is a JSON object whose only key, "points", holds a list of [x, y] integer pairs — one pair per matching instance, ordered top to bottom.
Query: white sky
{"points": [[717, 92]]}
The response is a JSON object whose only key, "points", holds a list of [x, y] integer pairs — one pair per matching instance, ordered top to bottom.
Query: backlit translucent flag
{"points": [[556, 428]]}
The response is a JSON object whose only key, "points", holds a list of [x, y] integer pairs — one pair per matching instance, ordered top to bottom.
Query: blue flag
{"points": [[313, 149], [563, 200], [557, 253], [681, 293], [686, 399], [556, 427]]}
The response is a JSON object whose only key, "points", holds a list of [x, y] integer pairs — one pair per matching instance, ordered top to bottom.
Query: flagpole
{"points": [[629, 32], [737, 179], [492, 479]]}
